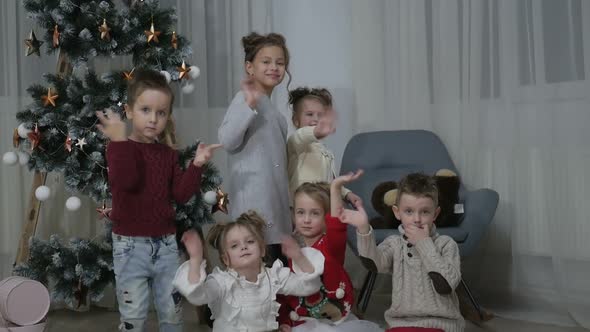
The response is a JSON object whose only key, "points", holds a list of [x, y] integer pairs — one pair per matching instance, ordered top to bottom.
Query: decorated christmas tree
{"points": [[57, 131]]}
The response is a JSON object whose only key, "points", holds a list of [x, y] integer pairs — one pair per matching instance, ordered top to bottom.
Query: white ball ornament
{"points": [[195, 72], [167, 75], [188, 88], [23, 131], [9, 158], [23, 158], [42, 193], [210, 197], [73, 203], [339, 293], [293, 316]]}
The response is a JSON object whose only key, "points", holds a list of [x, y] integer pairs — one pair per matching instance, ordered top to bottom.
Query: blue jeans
{"points": [[141, 264]]}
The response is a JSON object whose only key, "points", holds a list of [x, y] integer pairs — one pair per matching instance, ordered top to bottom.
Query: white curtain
{"points": [[504, 84]]}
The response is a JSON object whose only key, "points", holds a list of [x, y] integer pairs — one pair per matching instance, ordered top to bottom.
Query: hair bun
{"points": [[297, 94]]}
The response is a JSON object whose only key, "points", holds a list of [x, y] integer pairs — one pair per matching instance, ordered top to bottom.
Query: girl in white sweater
{"points": [[243, 297]]}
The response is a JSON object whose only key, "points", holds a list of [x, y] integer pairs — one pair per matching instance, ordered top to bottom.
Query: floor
{"points": [[101, 320]]}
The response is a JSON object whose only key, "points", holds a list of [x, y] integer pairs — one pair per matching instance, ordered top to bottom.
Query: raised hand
{"points": [[250, 93], [111, 125], [326, 125], [204, 153], [349, 177], [354, 199], [357, 218], [415, 233], [193, 244], [290, 247], [292, 250]]}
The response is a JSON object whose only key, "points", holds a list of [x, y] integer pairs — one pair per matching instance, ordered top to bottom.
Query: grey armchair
{"points": [[388, 156]]}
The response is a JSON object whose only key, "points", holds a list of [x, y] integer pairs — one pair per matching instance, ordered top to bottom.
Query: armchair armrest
{"points": [[480, 206]]}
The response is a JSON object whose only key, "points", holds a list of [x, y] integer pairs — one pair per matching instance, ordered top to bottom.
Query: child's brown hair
{"points": [[254, 42], [147, 79], [297, 96], [419, 185], [249, 220]]}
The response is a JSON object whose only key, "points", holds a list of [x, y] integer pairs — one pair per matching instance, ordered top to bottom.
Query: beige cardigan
{"points": [[309, 160]]}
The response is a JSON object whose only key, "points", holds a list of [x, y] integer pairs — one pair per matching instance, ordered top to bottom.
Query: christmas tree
{"points": [[57, 131]]}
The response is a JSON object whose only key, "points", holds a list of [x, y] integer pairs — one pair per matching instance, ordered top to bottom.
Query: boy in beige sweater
{"points": [[425, 266]]}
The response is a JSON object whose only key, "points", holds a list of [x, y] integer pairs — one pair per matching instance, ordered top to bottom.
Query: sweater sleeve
{"points": [[237, 120], [301, 138], [122, 161], [185, 183], [345, 192], [336, 238], [381, 255], [447, 262], [298, 282], [205, 291]]}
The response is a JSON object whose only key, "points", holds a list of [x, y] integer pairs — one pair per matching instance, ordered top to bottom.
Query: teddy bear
{"points": [[448, 183]]}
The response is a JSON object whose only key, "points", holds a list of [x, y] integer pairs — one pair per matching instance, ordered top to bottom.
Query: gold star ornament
{"points": [[104, 30], [152, 34], [33, 44], [183, 71], [128, 75], [49, 98], [222, 202]]}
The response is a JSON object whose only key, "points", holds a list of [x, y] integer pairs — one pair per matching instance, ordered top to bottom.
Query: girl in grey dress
{"points": [[254, 134]]}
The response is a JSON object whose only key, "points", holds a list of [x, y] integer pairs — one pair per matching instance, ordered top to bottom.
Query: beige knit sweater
{"points": [[309, 160], [414, 301]]}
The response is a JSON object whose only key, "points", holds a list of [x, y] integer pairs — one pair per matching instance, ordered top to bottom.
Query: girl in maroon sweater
{"points": [[145, 177]]}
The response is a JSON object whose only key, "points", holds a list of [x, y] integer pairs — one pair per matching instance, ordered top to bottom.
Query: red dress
{"points": [[335, 299]]}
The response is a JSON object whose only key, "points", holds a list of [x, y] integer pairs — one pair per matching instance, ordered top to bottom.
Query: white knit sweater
{"points": [[414, 301]]}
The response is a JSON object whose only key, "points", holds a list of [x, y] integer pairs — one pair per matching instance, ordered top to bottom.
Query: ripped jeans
{"points": [[142, 264]]}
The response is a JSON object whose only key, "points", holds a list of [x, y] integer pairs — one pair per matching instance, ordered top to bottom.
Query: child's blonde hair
{"points": [[147, 79], [318, 191], [249, 220]]}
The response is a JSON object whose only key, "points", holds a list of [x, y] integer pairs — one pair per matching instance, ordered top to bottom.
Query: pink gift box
{"points": [[24, 303]]}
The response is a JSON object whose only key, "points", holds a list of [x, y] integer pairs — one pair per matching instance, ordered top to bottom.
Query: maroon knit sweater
{"points": [[144, 179]]}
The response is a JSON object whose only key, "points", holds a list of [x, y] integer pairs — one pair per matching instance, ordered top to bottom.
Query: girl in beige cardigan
{"points": [[309, 160]]}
